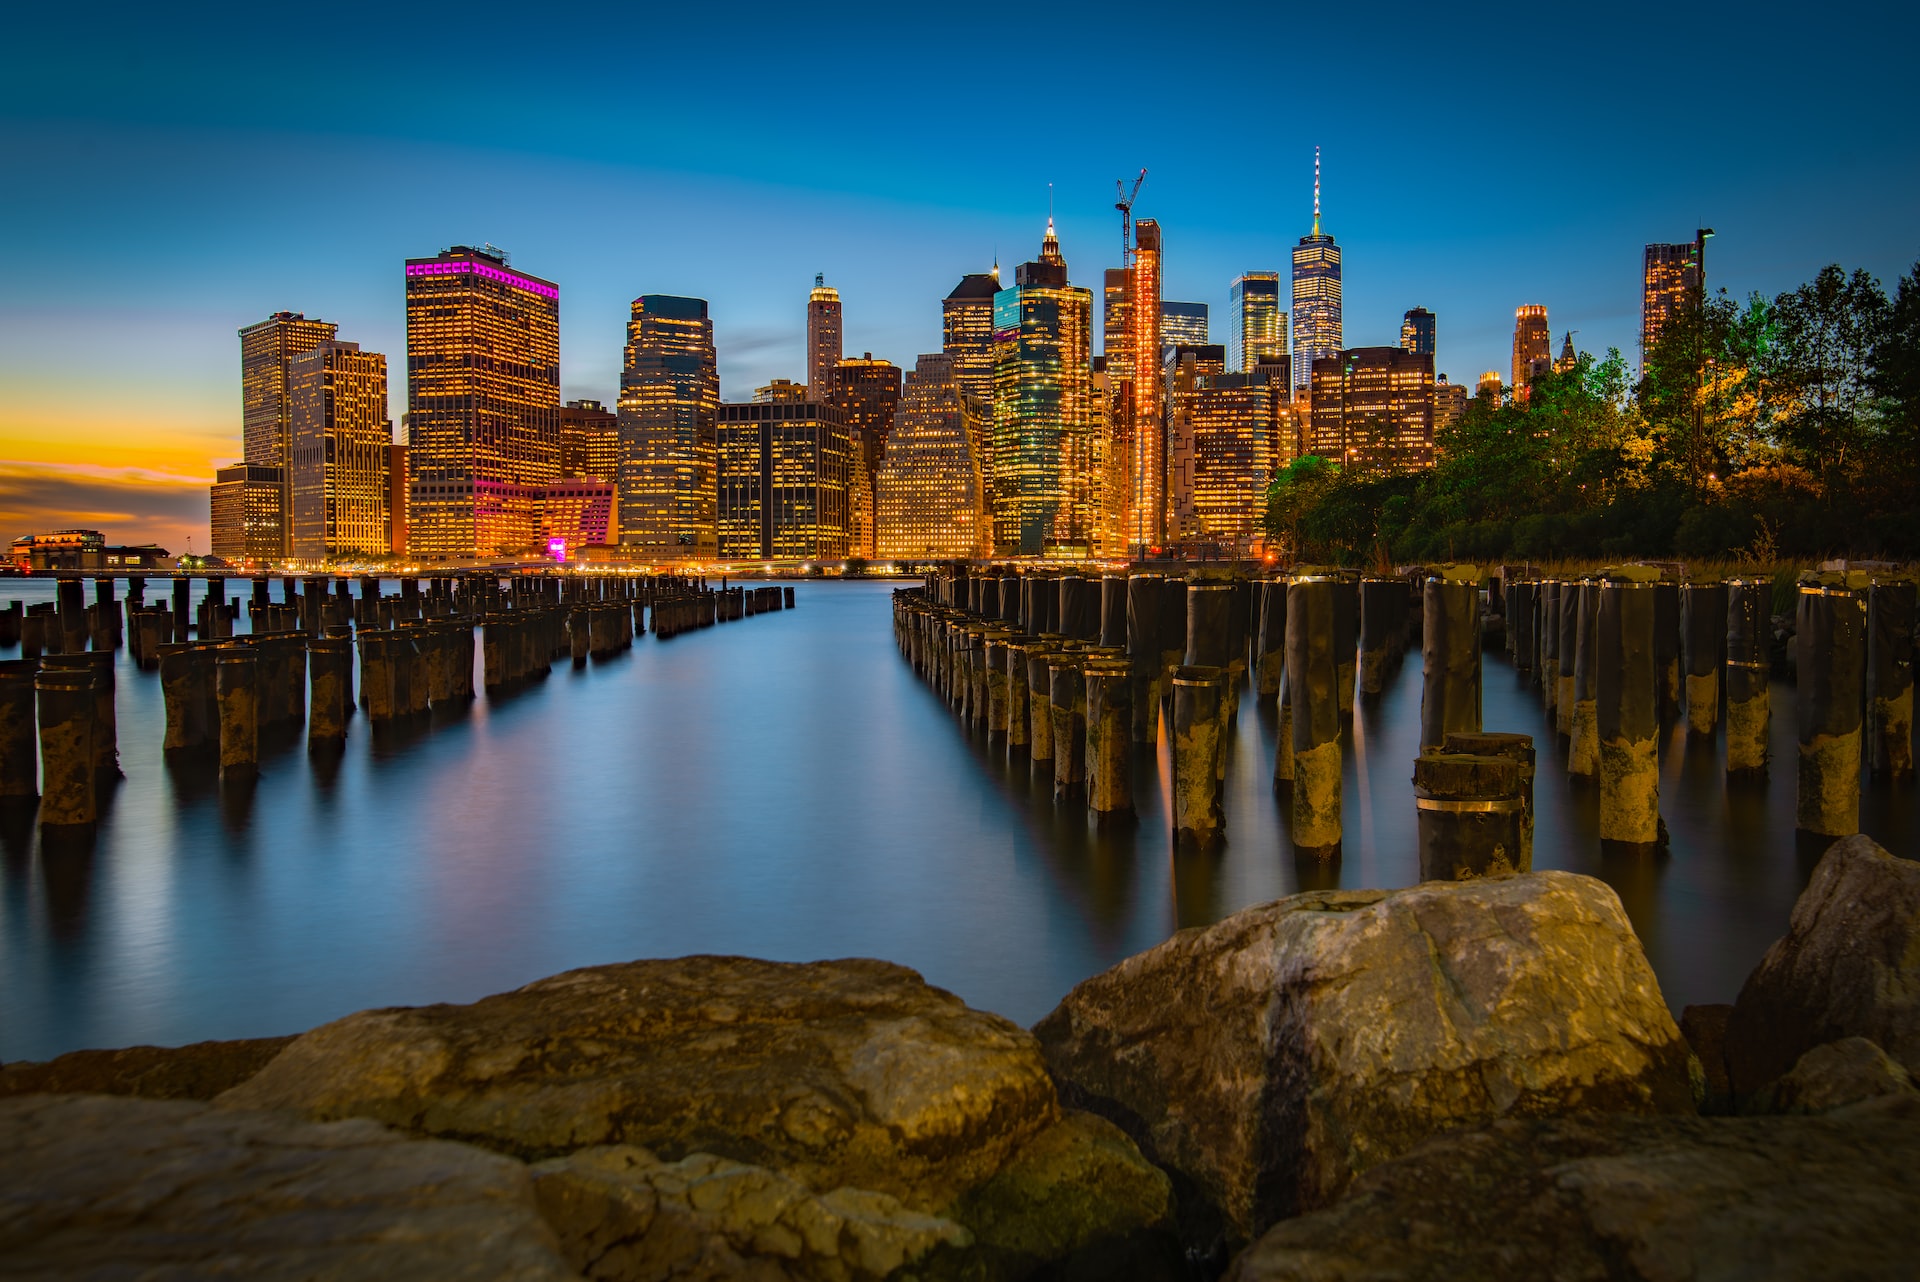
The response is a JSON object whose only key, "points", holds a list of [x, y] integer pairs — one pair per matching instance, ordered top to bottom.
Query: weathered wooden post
{"points": [[1890, 607], [1704, 608], [1113, 610], [1380, 617], [1520, 623], [1346, 637], [998, 642], [1270, 643], [1666, 645], [1832, 650], [1143, 653], [1568, 653], [1450, 655], [332, 659], [1548, 672], [237, 675], [1313, 682], [1198, 692], [1109, 693], [1019, 699], [1067, 699], [1749, 701], [1040, 705], [66, 710], [1628, 711], [1517, 748], [1583, 748], [18, 777], [1470, 816]]}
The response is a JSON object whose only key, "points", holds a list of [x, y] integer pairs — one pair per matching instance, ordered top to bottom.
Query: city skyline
{"points": [[115, 354]]}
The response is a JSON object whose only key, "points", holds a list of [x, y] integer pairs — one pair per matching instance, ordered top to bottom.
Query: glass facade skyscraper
{"points": [[1673, 274], [1183, 324], [1258, 326], [1317, 332], [1416, 332], [966, 333], [267, 351], [669, 396], [483, 404], [341, 435], [783, 478]]}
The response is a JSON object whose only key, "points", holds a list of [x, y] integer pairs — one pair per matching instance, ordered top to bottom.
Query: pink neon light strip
{"points": [[482, 269]]}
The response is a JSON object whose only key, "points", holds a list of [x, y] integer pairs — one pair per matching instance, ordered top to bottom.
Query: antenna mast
{"points": [[1316, 191]]}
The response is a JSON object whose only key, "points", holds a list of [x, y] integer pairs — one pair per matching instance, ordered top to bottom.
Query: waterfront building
{"points": [[1671, 276], [1183, 324], [1259, 326], [1317, 328], [966, 332], [1416, 332], [823, 335], [1532, 345], [267, 350], [868, 391], [483, 399], [1449, 403], [1373, 407], [666, 419], [341, 434], [589, 441], [399, 470], [783, 473], [929, 488], [1042, 488], [577, 512], [245, 514], [83, 550]]}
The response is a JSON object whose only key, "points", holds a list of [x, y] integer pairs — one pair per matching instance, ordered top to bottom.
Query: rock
{"points": [[1848, 966], [1705, 1028], [1267, 1059], [200, 1071], [846, 1075], [1835, 1075], [95, 1186], [1616, 1197], [626, 1216]]}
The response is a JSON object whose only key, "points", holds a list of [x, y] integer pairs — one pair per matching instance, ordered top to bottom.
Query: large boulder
{"points": [[1848, 966], [1268, 1059], [200, 1071], [1834, 1075], [838, 1076], [100, 1187], [1737, 1199]]}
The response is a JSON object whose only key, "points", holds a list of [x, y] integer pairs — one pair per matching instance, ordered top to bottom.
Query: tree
{"points": [[1828, 330]]}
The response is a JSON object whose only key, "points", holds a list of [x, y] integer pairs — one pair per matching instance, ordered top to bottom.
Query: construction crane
{"points": [[1125, 205]]}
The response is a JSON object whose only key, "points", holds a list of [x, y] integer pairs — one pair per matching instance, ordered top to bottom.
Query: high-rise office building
{"points": [[1672, 275], [1183, 324], [1259, 325], [1317, 331], [1416, 332], [966, 333], [823, 335], [1532, 345], [267, 350], [1568, 360], [1489, 386], [869, 394], [669, 396], [483, 400], [1449, 403], [1373, 407], [1224, 428], [1145, 433], [341, 438], [589, 441], [399, 470], [783, 477], [1042, 487], [929, 490], [578, 512], [245, 514]]}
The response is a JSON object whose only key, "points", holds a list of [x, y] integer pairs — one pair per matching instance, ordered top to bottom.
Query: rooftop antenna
{"points": [[1316, 191], [819, 280]]}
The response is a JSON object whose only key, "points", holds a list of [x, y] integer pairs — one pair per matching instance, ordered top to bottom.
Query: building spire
{"points": [[1316, 191]]}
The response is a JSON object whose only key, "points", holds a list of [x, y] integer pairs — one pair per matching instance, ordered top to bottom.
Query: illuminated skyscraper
{"points": [[1673, 275], [1183, 324], [1259, 327], [1317, 332], [1416, 332], [966, 333], [823, 335], [1532, 345], [267, 350], [1568, 360], [1489, 386], [868, 392], [669, 395], [483, 400], [1449, 403], [1373, 407], [1224, 428], [1146, 434], [341, 439], [589, 441], [783, 477], [1043, 486], [929, 490], [245, 514]]}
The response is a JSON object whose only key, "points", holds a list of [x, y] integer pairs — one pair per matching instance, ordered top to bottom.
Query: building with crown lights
{"points": [[1259, 325], [1317, 328], [824, 331], [1532, 345]]}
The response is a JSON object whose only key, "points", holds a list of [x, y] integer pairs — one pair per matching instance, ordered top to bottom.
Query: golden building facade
{"points": [[1671, 277], [1258, 326], [1318, 328], [966, 332], [824, 334], [1532, 344], [267, 351], [868, 391], [669, 400], [483, 404], [1373, 407], [1229, 432], [1145, 436], [341, 437], [589, 441], [784, 467], [1043, 483], [930, 491], [576, 512], [245, 514]]}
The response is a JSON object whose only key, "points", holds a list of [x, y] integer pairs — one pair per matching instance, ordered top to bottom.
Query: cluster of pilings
{"points": [[1618, 653], [224, 692]]}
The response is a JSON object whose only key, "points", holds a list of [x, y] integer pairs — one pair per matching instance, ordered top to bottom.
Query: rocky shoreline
{"points": [[1473, 1079]]}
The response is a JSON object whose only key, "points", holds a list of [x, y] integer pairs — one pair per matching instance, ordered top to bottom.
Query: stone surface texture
{"points": [[1848, 966], [1705, 1028], [1269, 1058], [200, 1071], [1835, 1075], [100, 1187], [1614, 1198]]}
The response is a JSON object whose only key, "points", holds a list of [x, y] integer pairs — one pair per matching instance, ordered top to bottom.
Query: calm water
{"points": [[784, 786]]}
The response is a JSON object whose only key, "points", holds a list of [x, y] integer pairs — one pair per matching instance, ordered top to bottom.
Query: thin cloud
{"points": [[128, 506]]}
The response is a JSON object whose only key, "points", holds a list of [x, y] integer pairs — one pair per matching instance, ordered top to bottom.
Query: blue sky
{"points": [[174, 175]]}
